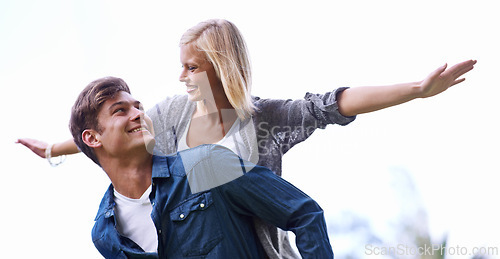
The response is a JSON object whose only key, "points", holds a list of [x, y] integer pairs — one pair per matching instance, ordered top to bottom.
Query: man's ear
{"points": [[91, 138]]}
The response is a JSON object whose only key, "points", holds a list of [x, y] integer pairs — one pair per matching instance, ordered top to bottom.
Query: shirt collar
{"points": [[160, 167], [160, 170], [107, 204]]}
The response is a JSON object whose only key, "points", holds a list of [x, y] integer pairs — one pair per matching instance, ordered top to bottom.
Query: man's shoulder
{"points": [[190, 159], [209, 166]]}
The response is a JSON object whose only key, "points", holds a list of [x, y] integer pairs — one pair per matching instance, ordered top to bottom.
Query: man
{"points": [[201, 201]]}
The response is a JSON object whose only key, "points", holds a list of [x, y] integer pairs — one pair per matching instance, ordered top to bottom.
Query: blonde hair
{"points": [[225, 48]]}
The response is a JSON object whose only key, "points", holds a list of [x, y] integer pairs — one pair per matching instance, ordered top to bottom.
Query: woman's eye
{"points": [[191, 68]]}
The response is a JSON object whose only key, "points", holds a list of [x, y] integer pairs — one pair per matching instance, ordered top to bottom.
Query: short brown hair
{"points": [[87, 106]]}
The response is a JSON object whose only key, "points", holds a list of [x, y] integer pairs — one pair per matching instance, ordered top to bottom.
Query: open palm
{"points": [[442, 78]]}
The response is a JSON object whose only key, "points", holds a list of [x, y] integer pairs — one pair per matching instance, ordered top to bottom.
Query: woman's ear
{"points": [[91, 138]]}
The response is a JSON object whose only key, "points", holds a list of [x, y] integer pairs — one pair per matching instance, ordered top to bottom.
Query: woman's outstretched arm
{"points": [[358, 100], [67, 147]]}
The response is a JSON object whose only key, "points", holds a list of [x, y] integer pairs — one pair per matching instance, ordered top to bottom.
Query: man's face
{"points": [[124, 127]]}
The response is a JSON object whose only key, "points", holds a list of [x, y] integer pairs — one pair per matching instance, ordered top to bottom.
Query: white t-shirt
{"points": [[231, 140], [133, 220]]}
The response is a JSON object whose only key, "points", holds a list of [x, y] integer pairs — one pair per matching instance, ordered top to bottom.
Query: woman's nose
{"points": [[182, 76]]}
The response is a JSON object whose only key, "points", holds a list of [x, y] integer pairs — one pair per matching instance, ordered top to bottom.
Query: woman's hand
{"points": [[442, 78], [38, 147]]}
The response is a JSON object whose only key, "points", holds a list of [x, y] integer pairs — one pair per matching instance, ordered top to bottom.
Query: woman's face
{"points": [[199, 75]]}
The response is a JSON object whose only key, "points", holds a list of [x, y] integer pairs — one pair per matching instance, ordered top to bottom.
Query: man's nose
{"points": [[137, 113]]}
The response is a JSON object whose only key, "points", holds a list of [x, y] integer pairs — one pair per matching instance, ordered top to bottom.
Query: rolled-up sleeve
{"points": [[324, 107], [281, 124]]}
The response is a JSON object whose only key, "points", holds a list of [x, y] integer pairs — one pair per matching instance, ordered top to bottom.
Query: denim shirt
{"points": [[275, 127], [204, 200], [106, 237]]}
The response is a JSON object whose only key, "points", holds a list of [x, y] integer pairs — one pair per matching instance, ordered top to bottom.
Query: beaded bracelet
{"points": [[48, 155]]}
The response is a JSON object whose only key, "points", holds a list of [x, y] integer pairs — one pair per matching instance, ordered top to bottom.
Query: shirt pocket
{"points": [[196, 225]]}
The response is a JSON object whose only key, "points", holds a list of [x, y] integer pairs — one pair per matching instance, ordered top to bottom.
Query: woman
{"points": [[218, 108]]}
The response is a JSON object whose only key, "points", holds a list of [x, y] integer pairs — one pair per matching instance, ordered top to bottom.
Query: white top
{"points": [[231, 140], [133, 220]]}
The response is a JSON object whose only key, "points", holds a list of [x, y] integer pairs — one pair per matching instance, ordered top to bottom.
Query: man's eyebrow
{"points": [[112, 106]]}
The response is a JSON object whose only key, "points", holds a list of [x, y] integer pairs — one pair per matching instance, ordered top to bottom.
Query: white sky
{"points": [[49, 50]]}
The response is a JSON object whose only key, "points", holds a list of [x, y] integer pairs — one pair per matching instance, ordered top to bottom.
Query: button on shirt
{"points": [[204, 200]]}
